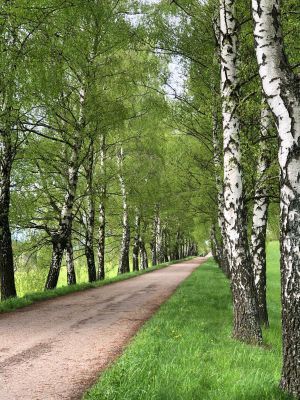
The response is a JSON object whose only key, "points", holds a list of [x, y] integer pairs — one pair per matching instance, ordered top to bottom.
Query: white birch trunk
{"points": [[281, 87], [102, 212], [260, 217], [125, 243], [223, 253], [246, 325]]}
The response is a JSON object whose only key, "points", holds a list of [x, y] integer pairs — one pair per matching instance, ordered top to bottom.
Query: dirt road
{"points": [[57, 348]]}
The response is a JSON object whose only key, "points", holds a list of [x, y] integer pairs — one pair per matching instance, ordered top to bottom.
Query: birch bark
{"points": [[282, 91], [102, 215], [90, 218], [260, 218], [136, 243], [223, 253], [71, 275], [246, 325]]}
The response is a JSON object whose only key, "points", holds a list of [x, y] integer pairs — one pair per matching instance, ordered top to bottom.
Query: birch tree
{"points": [[281, 87], [260, 216], [125, 242], [246, 325]]}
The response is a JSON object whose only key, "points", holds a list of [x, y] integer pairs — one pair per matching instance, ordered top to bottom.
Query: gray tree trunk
{"points": [[281, 88], [246, 324]]}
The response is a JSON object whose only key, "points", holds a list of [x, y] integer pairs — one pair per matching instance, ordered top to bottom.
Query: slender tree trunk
{"points": [[281, 87], [102, 216], [260, 217], [90, 220], [101, 241], [159, 241], [125, 244], [136, 244], [153, 244], [165, 244], [177, 244], [215, 246], [58, 247], [223, 253], [143, 254], [71, 275], [8, 288], [246, 323]]}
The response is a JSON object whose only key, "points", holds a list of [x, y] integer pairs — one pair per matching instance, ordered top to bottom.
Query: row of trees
{"points": [[240, 100], [88, 163]]}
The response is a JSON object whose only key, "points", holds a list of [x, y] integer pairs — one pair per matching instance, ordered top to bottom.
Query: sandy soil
{"points": [[57, 348]]}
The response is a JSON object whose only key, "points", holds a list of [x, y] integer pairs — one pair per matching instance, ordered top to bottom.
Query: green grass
{"points": [[33, 279], [30, 298], [186, 351]]}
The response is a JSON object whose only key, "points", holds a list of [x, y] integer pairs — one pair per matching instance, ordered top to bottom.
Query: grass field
{"points": [[33, 279], [186, 352]]}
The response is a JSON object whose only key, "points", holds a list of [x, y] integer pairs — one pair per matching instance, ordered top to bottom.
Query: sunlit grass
{"points": [[33, 279], [185, 352]]}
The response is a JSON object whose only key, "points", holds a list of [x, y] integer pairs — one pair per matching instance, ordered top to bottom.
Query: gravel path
{"points": [[56, 349]]}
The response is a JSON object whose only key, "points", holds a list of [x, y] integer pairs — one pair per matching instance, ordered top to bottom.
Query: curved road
{"points": [[56, 349]]}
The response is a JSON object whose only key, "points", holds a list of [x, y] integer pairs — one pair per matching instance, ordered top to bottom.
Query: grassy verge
{"points": [[30, 298], [185, 352]]}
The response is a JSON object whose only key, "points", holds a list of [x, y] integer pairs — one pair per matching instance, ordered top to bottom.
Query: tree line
{"points": [[241, 102], [87, 160]]}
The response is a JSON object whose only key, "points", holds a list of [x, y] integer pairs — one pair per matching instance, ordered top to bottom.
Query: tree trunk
{"points": [[281, 88], [102, 216], [260, 216], [90, 219], [153, 241], [159, 241], [101, 242], [125, 244], [136, 244], [215, 246], [58, 247], [176, 247], [223, 253], [143, 254], [71, 275], [8, 288], [246, 325]]}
